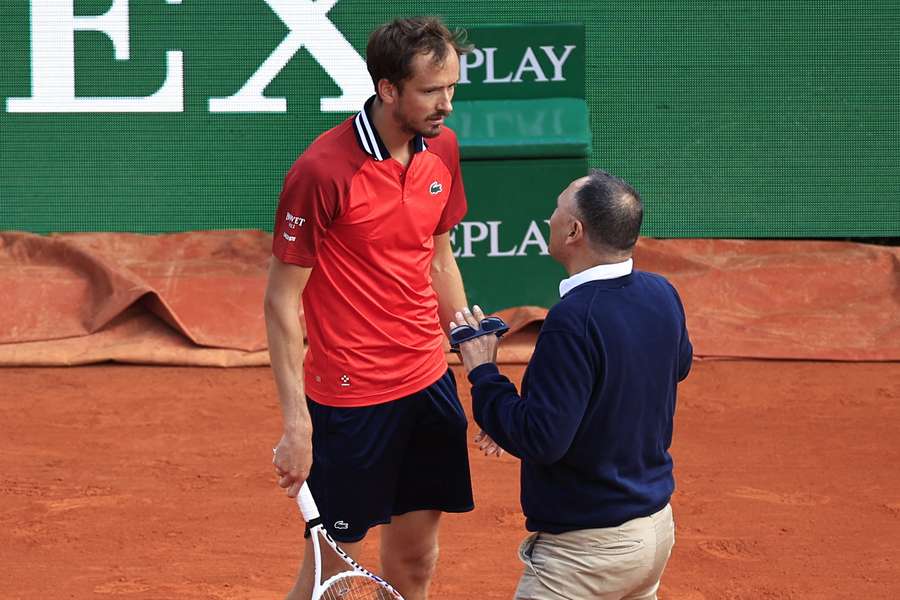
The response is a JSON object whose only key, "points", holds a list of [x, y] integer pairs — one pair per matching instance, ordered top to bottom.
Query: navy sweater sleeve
{"points": [[685, 348], [541, 426]]}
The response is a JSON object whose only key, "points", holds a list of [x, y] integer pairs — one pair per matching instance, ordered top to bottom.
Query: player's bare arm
{"points": [[446, 280], [293, 454]]}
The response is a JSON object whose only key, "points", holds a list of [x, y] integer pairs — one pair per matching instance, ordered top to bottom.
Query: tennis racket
{"points": [[337, 576]]}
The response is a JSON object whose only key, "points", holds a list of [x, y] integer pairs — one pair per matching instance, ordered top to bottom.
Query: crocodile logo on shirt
{"points": [[436, 188]]}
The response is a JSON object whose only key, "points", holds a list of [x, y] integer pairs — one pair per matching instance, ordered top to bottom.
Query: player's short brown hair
{"points": [[392, 47]]}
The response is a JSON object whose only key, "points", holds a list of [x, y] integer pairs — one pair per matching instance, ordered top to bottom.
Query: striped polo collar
{"points": [[368, 138]]}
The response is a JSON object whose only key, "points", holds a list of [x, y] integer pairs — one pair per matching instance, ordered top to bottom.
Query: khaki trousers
{"points": [[615, 563]]}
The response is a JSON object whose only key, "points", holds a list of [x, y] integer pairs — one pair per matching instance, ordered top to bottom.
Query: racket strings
{"points": [[347, 584], [356, 588]]}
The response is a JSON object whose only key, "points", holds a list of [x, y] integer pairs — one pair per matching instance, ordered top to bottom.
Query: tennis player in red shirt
{"points": [[372, 420]]}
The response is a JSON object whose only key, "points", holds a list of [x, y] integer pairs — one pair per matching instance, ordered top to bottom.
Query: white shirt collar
{"points": [[597, 273]]}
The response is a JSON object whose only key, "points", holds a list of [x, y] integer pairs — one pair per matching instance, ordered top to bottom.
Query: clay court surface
{"points": [[155, 482]]}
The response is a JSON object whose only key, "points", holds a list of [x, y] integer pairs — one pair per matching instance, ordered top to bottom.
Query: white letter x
{"points": [[325, 43]]}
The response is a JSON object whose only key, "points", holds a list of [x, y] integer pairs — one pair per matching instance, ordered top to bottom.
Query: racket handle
{"points": [[307, 505]]}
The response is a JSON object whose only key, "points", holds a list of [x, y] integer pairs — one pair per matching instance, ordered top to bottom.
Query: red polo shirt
{"points": [[365, 225]]}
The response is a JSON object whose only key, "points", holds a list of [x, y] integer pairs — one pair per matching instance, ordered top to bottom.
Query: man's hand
{"points": [[480, 350], [487, 445], [292, 461]]}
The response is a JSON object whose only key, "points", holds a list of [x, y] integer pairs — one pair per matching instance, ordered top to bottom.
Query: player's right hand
{"points": [[292, 461]]}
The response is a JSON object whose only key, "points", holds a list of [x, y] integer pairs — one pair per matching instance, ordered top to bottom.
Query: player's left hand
{"points": [[480, 350]]}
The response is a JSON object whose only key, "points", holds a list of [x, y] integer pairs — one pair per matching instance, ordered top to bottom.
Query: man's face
{"points": [[425, 98], [562, 219]]}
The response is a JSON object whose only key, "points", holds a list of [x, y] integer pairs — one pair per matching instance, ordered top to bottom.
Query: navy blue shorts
{"points": [[373, 462]]}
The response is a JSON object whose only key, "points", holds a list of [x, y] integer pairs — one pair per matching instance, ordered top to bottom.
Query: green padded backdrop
{"points": [[739, 118]]}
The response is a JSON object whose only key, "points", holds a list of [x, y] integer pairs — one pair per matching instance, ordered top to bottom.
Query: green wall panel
{"points": [[764, 118], [501, 246]]}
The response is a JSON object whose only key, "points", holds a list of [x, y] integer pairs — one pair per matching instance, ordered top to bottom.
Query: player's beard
{"points": [[426, 130]]}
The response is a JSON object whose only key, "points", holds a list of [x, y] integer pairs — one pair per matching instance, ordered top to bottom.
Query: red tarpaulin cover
{"points": [[196, 298]]}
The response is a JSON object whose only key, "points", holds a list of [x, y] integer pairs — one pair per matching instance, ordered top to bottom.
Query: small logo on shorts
{"points": [[436, 188], [345, 381], [342, 525]]}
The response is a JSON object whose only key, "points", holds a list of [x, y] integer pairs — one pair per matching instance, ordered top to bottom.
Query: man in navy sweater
{"points": [[593, 423]]}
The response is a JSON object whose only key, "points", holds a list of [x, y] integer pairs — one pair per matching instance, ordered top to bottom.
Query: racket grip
{"points": [[307, 505]]}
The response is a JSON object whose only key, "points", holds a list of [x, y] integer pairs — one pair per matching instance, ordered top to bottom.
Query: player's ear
{"points": [[387, 91]]}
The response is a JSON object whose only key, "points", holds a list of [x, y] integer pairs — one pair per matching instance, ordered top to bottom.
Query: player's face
{"points": [[425, 98], [562, 221]]}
